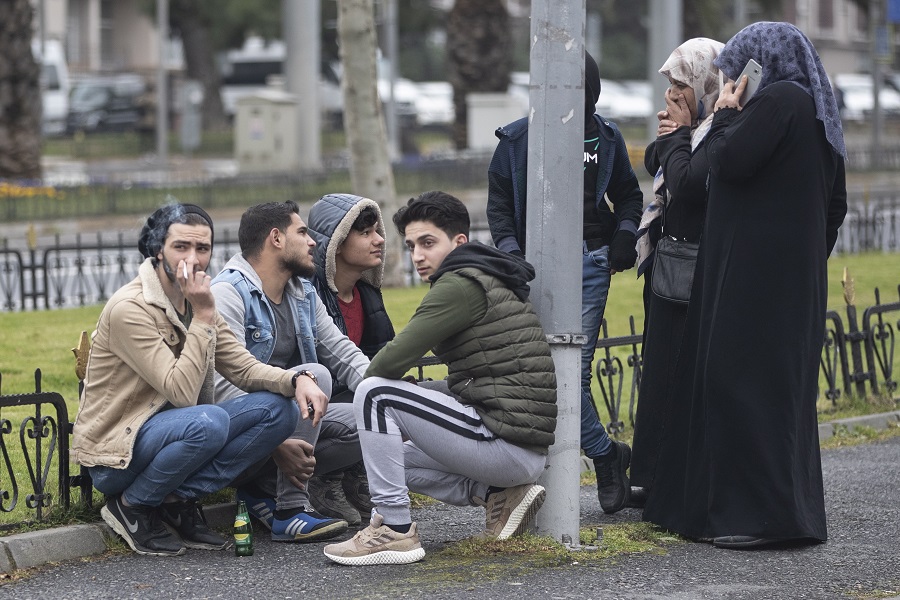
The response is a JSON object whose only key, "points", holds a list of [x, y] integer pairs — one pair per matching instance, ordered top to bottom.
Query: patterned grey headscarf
{"points": [[785, 55]]}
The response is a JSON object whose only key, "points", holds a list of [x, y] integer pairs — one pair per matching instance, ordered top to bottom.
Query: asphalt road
{"points": [[860, 560]]}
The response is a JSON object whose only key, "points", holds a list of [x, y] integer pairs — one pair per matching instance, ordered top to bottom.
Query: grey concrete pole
{"points": [[876, 22], [390, 29], [665, 33], [303, 48], [162, 84], [554, 240]]}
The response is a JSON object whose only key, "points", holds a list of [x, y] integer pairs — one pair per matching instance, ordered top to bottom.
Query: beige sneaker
{"points": [[511, 511], [378, 544]]}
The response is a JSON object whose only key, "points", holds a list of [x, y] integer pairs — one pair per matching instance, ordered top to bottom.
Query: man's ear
{"points": [[275, 237], [459, 239]]}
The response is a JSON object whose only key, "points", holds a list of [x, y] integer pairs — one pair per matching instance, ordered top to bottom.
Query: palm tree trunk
{"points": [[478, 50], [20, 95]]}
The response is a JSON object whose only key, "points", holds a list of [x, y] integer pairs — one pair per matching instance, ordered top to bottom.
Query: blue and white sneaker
{"points": [[261, 509], [307, 526]]}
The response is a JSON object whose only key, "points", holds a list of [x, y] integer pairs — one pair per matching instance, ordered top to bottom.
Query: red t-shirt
{"points": [[353, 317]]}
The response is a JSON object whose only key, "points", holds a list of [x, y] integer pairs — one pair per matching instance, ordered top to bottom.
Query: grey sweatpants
{"points": [[336, 447], [448, 452]]}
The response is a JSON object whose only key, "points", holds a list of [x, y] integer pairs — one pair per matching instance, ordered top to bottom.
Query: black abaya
{"points": [[685, 173], [741, 456]]}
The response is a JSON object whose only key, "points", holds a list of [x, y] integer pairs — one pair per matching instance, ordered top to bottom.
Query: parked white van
{"points": [[54, 85]]}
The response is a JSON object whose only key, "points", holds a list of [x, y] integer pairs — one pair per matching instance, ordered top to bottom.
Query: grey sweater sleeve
{"points": [[231, 308], [336, 352]]}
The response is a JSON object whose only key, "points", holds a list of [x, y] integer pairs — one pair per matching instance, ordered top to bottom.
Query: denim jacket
{"points": [[244, 306], [259, 317]]}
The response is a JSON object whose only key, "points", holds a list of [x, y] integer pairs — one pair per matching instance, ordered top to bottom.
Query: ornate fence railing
{"points": [[858, 358], [42, 440]]}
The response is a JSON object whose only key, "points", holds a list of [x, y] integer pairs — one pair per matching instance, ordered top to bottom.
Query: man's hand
{"points": [[622, 251], [195, 287], [311, 399], [295, 459]]}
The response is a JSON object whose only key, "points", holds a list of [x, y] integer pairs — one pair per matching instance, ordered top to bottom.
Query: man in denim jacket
{"points": [[609, 247], [264, 296]]}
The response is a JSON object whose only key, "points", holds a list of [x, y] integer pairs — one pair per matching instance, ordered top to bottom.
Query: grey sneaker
{"points": [[356, 490], [327, 495], [511, 511], [141, 528], [378, 544]]}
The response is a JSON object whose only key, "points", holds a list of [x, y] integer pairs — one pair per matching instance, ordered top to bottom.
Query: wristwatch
{"points": [[309, 374]]}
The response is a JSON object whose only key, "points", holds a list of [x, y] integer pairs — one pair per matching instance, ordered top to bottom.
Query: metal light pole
{"points": [[665, 34], [303, 49], [162, 92], [555, 191]]}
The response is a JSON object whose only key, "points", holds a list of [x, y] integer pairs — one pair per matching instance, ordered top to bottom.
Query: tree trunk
{"points": [[187, 17], [478, 50], [20, 95], [370, 164]]}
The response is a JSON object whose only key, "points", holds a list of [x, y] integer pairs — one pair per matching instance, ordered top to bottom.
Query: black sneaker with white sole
{"points": [[186, 519], [141, 528]]}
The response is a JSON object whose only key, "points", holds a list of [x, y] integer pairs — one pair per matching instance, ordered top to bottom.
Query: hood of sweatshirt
{"points": [[330, 221], [514, 272]]}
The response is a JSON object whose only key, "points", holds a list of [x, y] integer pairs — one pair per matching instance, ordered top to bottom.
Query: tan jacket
{"points": [[143, 357]]}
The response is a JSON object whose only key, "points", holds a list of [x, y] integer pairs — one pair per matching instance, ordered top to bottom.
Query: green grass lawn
{"points": [[43, 339]]}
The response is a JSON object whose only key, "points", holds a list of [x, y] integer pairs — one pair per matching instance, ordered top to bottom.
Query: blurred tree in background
{"points": [[20, 94]]}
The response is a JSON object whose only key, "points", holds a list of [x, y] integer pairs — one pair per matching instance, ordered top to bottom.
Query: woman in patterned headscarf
{"points": [[677, 159], [740, 463]]}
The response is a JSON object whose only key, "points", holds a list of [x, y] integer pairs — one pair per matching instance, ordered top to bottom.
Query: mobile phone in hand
{"points": [[753, 71]]}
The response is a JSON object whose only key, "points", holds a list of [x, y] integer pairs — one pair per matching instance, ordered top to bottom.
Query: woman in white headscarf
{"points": [[677, 159]]}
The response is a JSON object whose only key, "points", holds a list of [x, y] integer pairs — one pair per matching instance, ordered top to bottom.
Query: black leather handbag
{"points": [[673, 269]]}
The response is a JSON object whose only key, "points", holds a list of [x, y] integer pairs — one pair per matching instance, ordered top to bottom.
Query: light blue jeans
{"points": [[595, 278], [197, 450]]}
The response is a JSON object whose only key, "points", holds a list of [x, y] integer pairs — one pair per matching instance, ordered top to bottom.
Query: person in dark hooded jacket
{"points": [[609, 247], [349, 257], [481, 440]]}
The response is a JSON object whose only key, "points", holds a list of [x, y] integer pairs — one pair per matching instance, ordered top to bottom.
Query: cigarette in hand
{"points": [[185, 270]]}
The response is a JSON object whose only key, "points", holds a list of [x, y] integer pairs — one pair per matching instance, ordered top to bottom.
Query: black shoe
{"points": [[613, 488], [638, 498], [186, 519], [141, 528], [743, 542]]}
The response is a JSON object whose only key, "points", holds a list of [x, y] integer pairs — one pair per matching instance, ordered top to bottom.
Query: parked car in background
{"points": [[257, 64], [55, 85], [857, 97], [625, 102], [106, 103], [434, 104]]}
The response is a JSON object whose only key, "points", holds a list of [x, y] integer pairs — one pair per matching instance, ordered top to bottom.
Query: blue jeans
{"points": [[594, 290], [197, 450]]}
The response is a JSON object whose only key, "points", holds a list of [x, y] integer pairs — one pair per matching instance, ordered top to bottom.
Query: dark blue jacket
{"points": [[507, 183]]}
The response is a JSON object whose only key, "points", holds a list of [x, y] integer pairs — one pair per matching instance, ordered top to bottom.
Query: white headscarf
{"points": [[692, 64]]}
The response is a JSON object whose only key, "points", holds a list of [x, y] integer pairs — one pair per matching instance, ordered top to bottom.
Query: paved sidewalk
{"points": [[860, 559]]}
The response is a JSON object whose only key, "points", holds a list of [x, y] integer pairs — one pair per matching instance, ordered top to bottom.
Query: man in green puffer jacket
{"points": [[481, 436]]}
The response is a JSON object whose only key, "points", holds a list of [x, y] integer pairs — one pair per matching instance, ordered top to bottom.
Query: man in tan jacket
{"points": [[147, 427]]}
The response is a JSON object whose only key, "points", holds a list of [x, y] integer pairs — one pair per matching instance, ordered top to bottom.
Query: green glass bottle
{"points": [[243, 532]]}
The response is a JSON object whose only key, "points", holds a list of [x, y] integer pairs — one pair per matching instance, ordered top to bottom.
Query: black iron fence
{"points": [[857, 359], [42, 440]]}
